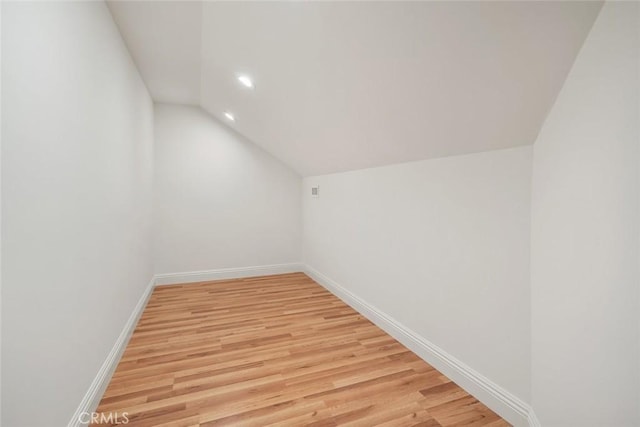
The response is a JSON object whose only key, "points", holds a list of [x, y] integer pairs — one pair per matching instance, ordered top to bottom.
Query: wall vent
{"points": [[315, 191]]}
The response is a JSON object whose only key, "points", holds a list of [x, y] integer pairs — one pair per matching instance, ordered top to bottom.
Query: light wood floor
{"points": [[275, 350]]}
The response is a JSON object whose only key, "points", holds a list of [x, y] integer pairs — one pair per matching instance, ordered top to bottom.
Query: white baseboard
{"points": [[227, 273], [98, 386], [495, 397], [505, 404], [533, 420]]}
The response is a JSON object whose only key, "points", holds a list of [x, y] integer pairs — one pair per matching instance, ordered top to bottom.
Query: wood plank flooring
{"points": [[275, 350]]}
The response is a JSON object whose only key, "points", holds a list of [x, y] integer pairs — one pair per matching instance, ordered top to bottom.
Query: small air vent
{"points": [[315, 191]]}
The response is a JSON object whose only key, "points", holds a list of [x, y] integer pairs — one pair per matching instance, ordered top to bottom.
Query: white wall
{"points": [[77, 132], [220, 201], [0, 218], [442, 246], [585, 275]]}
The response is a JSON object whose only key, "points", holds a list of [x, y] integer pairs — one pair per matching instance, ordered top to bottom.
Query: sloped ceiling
{"points": [[350, 85]]}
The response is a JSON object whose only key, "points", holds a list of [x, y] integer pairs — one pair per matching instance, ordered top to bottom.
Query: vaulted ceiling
{"points": [[349, 85]]}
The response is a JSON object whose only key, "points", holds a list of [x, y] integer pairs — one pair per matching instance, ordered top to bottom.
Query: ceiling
{"points": [[350, 85]]}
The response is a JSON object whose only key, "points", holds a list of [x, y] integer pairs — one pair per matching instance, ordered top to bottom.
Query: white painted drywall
{"points": [[170, 34], [416, 80], [77, 145], [220, 201], [0, 216], [585, 235], [440, 245]]}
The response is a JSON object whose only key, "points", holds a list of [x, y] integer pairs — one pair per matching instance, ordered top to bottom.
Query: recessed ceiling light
{"points": [[246, 81], [229, 116]]}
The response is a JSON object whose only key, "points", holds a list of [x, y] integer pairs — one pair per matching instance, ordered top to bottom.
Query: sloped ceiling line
{"points": [[350, 85]]}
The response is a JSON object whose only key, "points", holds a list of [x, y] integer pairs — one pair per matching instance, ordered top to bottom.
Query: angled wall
{"points": [[77, 141], [220, 201], [585, 225]]}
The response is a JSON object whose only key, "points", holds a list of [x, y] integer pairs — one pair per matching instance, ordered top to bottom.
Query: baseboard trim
{"points": [[226, 273], [92, 398], [508, 406], [533, 420]]}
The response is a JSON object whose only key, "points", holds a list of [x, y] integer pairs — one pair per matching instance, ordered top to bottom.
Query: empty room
{"points": [[320, 213]]}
